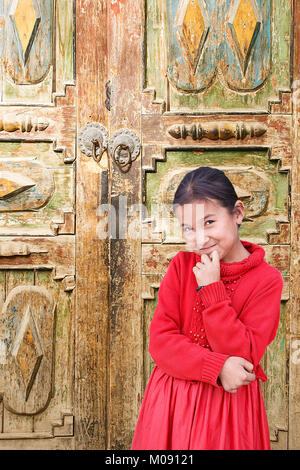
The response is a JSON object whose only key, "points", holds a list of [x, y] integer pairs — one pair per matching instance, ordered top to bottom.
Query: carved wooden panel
{"points": [[27, 31], [231, 37], [35, 49], [210, 50], [204, 62], [218, 92], [48, 124], [217, 131], [36, 187], [39, 187], [264, 190], [37, 222], [56, 254], [156, 258], [150, 286], [27, 332], [35, 360]]}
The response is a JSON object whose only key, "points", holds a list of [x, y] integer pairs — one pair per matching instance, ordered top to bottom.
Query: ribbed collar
{"points": [[232, 270]]}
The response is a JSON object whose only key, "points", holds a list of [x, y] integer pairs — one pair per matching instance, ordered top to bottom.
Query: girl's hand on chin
{"points": [[208, 270]]}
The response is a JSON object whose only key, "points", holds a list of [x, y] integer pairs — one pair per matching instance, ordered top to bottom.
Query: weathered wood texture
{"points": [[36, 50], [224, 50], [223, 104], [249, 135], [44, 188], [37, 224], [92, 252], [125, 334], [294, 340], [42, 355]]}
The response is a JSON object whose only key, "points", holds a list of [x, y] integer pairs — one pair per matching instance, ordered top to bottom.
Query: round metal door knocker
{"points": [[93, 140], [124, 147]]}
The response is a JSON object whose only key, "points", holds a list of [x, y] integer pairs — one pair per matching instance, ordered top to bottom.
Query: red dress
{"points": [[191, 335]]}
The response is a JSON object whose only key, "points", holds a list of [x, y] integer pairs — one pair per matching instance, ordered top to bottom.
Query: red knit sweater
{"points": [[192, 334]]}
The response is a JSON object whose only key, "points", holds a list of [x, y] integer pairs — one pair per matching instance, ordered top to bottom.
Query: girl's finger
{"points": [[215, 256], [199, 265], [247, 365], [250, 376]]}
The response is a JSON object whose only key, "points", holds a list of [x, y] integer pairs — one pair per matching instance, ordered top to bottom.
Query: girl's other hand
{"points": [[236, 372]]}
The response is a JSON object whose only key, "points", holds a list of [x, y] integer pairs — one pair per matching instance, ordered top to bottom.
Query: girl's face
{"points": [[207, 226]]}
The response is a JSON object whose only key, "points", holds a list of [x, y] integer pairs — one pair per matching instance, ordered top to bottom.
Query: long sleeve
{"points": [[248, 334], [173, 351]]}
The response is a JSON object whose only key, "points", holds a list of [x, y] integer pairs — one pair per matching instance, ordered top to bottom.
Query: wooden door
{"points": [[37, 233], [84, 241]]}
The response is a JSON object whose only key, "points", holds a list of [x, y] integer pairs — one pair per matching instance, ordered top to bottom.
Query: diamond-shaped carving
{"points": [[26, 24], [244, 24], [193, 27], [191, 30], [12, 184], [27, 352]]}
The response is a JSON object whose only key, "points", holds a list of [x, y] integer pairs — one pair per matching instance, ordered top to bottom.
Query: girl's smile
{"points": [[205, 250]]}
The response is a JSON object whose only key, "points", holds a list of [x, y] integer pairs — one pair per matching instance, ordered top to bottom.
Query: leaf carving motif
{"points": [[12, 184]]}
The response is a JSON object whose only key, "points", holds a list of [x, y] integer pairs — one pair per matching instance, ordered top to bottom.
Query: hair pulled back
{"points": [[206, 183]]}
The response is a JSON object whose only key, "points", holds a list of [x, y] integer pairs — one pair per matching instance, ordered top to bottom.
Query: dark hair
{"points": [[206, 183]]}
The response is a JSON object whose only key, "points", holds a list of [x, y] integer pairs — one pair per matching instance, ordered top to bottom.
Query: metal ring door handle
{"points": [[124, 147]]}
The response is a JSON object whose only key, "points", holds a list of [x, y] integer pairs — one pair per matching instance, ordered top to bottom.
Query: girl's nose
{"points": [[201, 238]]}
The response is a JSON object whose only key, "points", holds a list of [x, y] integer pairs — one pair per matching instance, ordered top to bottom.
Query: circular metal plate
{"points": [[90, 132], [127, 138]]}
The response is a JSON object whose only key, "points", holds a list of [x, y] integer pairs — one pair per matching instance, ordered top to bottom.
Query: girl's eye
{"points": [[212, 221], [186, 229]]}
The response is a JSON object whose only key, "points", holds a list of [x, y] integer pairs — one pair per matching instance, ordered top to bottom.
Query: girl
{"points": [[218, 309]]}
